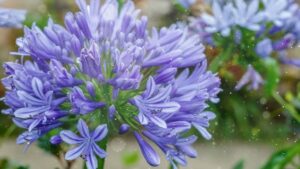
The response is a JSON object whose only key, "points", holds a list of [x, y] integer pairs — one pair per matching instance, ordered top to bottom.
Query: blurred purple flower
{"points": [[187, 3], [277, 11], [247, 15], [12, 18], [221, 20], [286, 42], [264, 48], [251, 77]]}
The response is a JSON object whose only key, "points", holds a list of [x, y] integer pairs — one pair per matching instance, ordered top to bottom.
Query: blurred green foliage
{"points": [[52, 9], [250, 115], [130, 158], [287, 158], [7, 164], [239, 165]]}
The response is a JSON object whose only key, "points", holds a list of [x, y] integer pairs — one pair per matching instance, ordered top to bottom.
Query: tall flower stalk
{"points": [[102, 74]]}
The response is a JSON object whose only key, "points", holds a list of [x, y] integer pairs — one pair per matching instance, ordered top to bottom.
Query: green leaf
{"points": [[179, 7], [272, 76], [288, 106], [130, 158], [283, 158], [239, 165]]}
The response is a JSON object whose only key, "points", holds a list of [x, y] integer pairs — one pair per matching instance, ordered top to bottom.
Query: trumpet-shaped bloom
{"points": [[86, 144]]}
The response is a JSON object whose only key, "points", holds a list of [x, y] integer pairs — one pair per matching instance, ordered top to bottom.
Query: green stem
{"points": [[121, 3], [221, 58], [287, 106], [8, 133], [101, 161], [171, 165], [84, 166]]}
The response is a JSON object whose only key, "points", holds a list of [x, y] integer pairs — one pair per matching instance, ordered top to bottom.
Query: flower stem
{"points": [[221, 59], [293, 112], [101, 161], [172, 165]]}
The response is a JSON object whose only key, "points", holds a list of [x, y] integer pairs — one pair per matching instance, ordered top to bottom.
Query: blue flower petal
{"points": [[83, 129], [100, 132], [70, 137], [75, 152], [148, 152]]}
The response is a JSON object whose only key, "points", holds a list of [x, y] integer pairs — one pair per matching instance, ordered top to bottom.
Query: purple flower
{"points": [[187, 3], [276, 11], [231, 14], [247, 15], [282, 15], [12, 18], [221, 21], [286, 42], [264, 48], [90, 61], [104, 66], [252, 77], [190, 91], [32, 100], [154, 101], [82, 105], [124, 128], [28, 137], [56, 139], [87, 146], [148, 152]]}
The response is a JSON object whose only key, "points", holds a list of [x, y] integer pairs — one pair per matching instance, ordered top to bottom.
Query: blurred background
{"points": [[246, 133]]}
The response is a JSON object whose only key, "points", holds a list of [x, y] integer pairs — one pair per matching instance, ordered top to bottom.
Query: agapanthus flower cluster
{"points": [[260, 28], [103, 73]]}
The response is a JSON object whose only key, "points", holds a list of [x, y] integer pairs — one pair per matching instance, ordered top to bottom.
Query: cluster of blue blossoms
{"points": [[12, 18], [274, 24], [105, 72]]}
